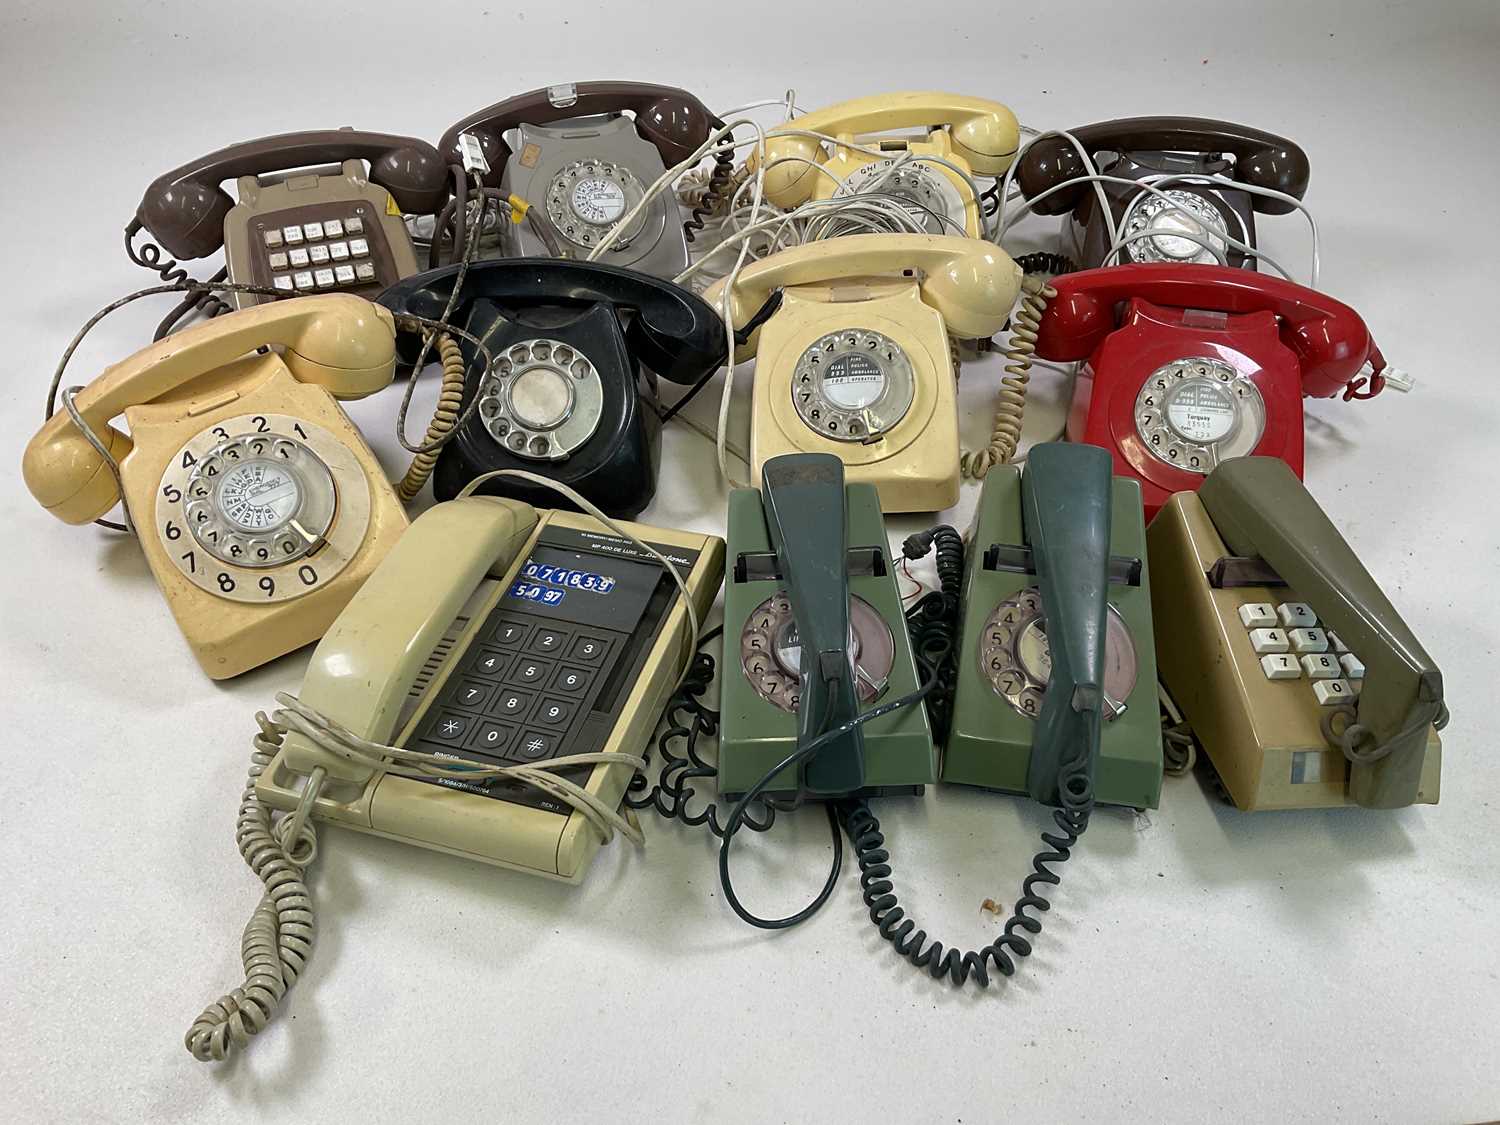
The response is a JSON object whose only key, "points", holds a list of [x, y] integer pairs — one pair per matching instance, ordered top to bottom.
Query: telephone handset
{"points": [[979, 136], [1152, 146], [581, 163], [310, 218], [857, 362], [1188, 366], [572, 395], [258, 505], [812, 572], [1270, 629], [500, 635], [1056, 648]]}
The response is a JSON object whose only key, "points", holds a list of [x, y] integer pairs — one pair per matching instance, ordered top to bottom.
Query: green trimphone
{"points": [[1054, 544], [814, 636], [1303, 684]]}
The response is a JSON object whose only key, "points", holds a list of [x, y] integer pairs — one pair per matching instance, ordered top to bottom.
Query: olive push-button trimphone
{"points": [[1046, 538], [811, 571], [502, 635], [1303, 684]]}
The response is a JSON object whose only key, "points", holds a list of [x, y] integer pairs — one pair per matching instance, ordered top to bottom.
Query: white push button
{"points": [[354, 225], [333, 229], [312, 230], [293, 236], [273, 239], [359, 247], [339, 250], [319, 254], [298, 257], [278, 261], [365, 271], [344, 274], [324, 278], [304, 279], [282, 281], [1258, 615], [1296, 615], [1268, 640], [1309, 640], [1337, 642], [1281, 667], [1321, 667], [1354, 667], [1330, 692]]}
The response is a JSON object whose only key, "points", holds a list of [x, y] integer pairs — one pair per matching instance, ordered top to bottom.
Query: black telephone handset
{"points": [[572, 395], [1066, 492]]}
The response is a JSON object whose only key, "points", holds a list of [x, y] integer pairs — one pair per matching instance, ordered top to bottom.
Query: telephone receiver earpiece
{"points": [[670, 118], [984, 133], [1262, 160], [184, 209], [973, 283], [674, 332], [1330, 339], [339, 342]]}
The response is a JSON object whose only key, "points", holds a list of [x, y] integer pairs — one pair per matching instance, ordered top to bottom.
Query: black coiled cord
{"points": [[717, 189], [152, 257], [1040, 261], [932, 622]]}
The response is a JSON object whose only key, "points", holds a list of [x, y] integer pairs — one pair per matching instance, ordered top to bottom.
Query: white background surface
{"points": [[1200, 963]]}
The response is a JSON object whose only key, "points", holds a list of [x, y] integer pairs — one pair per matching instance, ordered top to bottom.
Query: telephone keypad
{"points": [[348, 263], [1306, 651]]}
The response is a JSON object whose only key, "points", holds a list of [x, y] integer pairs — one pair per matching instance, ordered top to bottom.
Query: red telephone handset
{"points": [[1190, 365]]}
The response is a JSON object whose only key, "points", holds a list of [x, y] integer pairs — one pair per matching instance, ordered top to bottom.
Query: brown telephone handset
{"points": [[1150, 146], [582, 165], [314, 228], [258, 505]]}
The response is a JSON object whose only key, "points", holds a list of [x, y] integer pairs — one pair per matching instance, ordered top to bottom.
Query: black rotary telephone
{"points": [[572, 395]]}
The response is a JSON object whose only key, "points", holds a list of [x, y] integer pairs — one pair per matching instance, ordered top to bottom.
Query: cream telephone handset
{"points": [[965, 136], [857, 361], [258, 505]]}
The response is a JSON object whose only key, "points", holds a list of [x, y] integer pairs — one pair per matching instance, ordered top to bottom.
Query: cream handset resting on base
{"points": [[964, 137], [857, 362], [259, 506]]}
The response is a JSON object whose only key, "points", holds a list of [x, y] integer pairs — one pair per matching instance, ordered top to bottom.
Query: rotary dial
{"points": [[588, 197], [934, 201], [1151, 212], [853, 385], [543, 400], [1193, 413], [771, 651], [1016, 659]]}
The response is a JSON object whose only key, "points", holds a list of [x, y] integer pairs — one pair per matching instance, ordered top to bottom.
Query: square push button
{"points": [[509, 634], [546, 641], [590, 650], [489, 663], [528, 672], [571, 681], [471, 695], [510, 704], [556, 713], [449, 727], [491, 738], [535, 745]]}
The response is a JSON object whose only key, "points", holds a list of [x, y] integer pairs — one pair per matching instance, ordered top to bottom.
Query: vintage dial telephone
{"points": [[973, 135], [1168, 146], [582, 155], [311, 216], [857, 361], [1188, 366], [572, 396], [258, 505], [1047, 539], [811, 572], [1298, 677], [487, 694]]}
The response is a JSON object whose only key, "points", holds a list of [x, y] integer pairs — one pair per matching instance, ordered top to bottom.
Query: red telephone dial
{"points": [[1189, 365]]}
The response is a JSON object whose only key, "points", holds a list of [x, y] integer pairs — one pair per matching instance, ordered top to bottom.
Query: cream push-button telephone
{"points": [[963, 137], [317, 211], [857, 362], [258, 504], [498, 634], [1298, 677]]}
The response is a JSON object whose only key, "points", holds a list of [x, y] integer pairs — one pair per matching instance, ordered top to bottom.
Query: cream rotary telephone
{"points": [[973, 136], [857, 361], [259, 506]]}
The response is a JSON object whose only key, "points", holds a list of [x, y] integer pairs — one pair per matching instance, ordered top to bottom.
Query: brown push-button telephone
{"points": [[311, 217], [1303, 684]]}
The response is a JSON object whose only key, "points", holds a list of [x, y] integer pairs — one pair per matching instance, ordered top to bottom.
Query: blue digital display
{"points": [[567, 578], [531, 592]]}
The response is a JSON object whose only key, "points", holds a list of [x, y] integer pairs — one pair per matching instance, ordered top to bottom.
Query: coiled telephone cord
{"points": [[714, 194], [152, 257], [1041, 261], [1010, 408], [444, 417], [932, 622], [278, 939]]}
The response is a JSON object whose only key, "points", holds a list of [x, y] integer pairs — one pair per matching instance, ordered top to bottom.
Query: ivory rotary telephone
{"points": [[974, 135], [1165, 146], [583, 154], [318, 211], [856, 361], [1188, 366], [572, 395], [258, 504], [1298, 677]]}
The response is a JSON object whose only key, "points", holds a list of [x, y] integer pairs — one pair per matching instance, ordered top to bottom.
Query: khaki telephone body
{"points": [[976, 134], [857, 362], [258, 504], [1224, 559], [433, 624]]}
